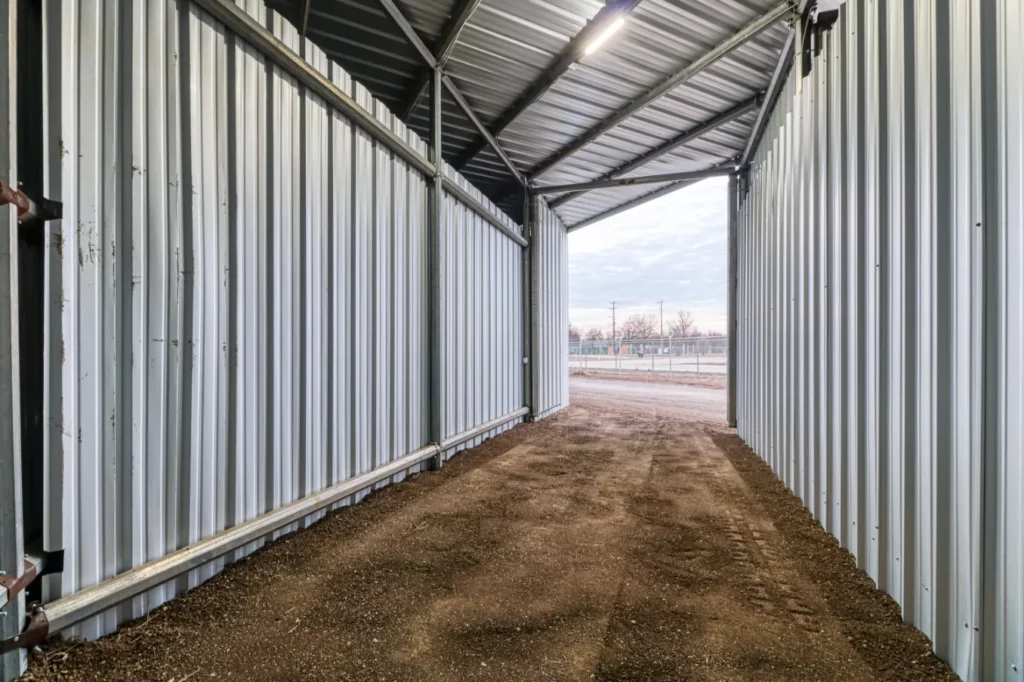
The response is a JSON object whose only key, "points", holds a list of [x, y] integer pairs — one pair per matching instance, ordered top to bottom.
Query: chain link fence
{"points": [[668, 356]]}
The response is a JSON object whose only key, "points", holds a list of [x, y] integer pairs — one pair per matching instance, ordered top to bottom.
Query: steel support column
{"points": [[734, 196], [436, 269], [529, 397], [12, 616]]}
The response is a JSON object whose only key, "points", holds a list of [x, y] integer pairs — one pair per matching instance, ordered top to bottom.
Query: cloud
{"points": [[672, 249]]}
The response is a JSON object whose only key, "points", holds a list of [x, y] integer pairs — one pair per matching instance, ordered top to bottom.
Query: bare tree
{"points": [[682, 325], [639, 326], [574, 333], [594, 334]]}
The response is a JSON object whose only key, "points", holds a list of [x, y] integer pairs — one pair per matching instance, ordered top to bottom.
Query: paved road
{"points": [[705, 404]]}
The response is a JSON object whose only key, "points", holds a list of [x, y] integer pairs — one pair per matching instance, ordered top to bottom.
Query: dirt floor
{"points": [[630, 537]]}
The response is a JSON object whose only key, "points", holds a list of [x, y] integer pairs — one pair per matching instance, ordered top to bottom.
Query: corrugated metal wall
{"points": [[237, 292], [881, 306], [552, 333], [482, 338], [12, 528]]}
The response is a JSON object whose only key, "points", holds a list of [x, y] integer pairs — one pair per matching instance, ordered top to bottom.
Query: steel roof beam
{"points": [[409, 32], [734, 41], [445, 45], [572, 53], [432, 63], [782, 67], [771, 96], [471, 115], [701, 129], [715, 172], [639, 201]]}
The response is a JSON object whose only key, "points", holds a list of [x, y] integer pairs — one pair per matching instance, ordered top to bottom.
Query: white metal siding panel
{"points": [[902, 142], [237, 293], [481, 320], [552, 353], [1004, 504], [12, 525]]}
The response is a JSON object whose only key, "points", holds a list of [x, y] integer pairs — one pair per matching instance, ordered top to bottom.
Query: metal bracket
{"points": [[30, 210], [35, 567], [37, 627]]}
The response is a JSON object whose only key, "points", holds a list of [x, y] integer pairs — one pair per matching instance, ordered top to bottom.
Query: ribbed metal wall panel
{"points": [[237, 295], [880, 311], [552, 337], [482, 339], [1004, 466], [12, 528]]}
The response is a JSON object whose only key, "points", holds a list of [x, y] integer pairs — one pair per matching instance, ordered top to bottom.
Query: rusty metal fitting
{"points": [[29, 211]]}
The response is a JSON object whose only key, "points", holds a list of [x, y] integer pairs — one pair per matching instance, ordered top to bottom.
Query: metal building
{"points": [[265, 256]]}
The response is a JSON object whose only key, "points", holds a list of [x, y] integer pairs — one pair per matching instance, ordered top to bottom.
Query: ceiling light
{"points": [[605, 35]]}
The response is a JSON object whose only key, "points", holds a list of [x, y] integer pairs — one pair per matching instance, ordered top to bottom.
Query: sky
{"points": [[672, 249]]}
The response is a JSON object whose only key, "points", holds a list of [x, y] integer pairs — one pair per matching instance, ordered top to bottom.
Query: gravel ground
{"points": [[630, 537]]}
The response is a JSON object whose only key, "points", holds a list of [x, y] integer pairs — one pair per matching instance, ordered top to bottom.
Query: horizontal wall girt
{"points": [[247, 28], [734, 41], [463, 195], [322, 262], [67, 611]]}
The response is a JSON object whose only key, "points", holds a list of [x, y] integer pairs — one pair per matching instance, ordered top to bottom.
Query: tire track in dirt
{"points": [[707, 596], [869, 619]]}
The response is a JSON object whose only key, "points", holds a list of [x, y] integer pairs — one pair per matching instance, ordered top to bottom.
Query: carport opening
{"points": [[648, 291]]}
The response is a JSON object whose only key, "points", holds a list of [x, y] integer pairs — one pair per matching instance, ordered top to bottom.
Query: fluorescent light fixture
{"points": [[605, 35]]}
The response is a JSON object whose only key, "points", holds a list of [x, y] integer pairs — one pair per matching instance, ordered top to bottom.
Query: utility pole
{"points": [[661, 314], [612, 324], [614, 345], [615, 350]]}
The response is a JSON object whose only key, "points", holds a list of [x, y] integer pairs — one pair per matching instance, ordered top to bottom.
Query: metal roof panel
{"points": [[508, 44]]}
